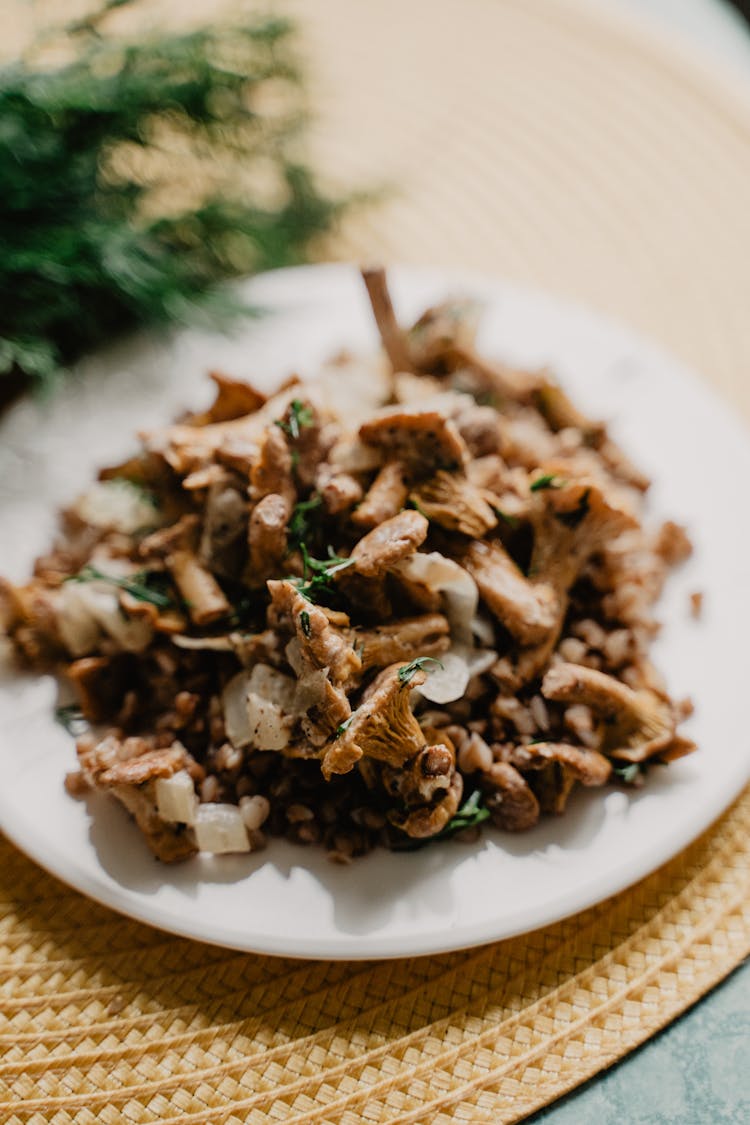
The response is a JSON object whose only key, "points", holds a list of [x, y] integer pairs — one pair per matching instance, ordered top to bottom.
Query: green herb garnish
{"points": [[300, 417], [548, 480], [579, 513], [512, 521], [302, 524], [318, 573], [146, 586], [304, 620], [407, 672], [71, 717], [343, 726], [628, 773], [471, 814]]}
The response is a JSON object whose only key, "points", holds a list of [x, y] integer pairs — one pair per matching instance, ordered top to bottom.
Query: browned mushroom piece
{"points": [[440, 330], [393, 338], [498, 381], [234, 399], [560, 413], [479, 426], [308, 437], [424, 439], [272, 472], [338, 491], [385, 497], [454, 503], [573, 520], [267, 539], [223, 540], [384, 546], [178, 547], [528, 610], [28, 616], [404, 640], [321, 645], [99, 683], [636, 725], [383, 727], [144, 767], [589, 767], [127, 769], [507, 795], [428, 820], [170, 843]]}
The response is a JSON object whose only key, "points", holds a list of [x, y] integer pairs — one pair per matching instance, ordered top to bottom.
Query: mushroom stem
{"points": [[394, 340], [199, 589]]}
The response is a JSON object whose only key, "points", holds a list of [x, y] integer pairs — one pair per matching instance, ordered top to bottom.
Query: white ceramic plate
{"points": [[290, 900]]}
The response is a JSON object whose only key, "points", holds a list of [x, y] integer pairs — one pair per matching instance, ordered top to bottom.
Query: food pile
{"points": [[376, 608]]}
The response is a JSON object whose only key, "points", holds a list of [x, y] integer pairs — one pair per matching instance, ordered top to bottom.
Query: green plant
{"points": [[139, 176]]}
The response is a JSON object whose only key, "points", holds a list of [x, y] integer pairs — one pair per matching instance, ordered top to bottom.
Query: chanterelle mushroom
{"points": [[424, 439], [454, 503], [528, 610], [322, 658], [636, 725], [383, 727]]}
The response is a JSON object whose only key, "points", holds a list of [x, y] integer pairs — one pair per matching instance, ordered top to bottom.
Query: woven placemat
{"points": [[550, 142]]}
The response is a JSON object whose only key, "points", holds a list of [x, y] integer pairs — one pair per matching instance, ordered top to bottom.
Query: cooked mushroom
{"points": [[390, 333], [234, 399], [560, 413], [424, 439], [271, 474], [338, 491], [385, 497], [454, 503], [267, 538], [177, 545], [222, 545], [385, 546], [528, 610], [401, 640], [321, 645], [636, 724], [382, 727], [587, 766], [511, 802], [427, 820]]}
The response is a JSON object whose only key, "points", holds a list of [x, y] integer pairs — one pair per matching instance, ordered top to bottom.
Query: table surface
{"points": [[698, 1070]]}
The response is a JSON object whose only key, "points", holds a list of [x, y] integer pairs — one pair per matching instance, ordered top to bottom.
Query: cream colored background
{"points": [[551, 141]]}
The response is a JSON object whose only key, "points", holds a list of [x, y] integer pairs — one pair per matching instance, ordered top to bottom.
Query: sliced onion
{"points": [[117, 504], [446, 577], [98, 602], [78, 627], [483, 630], [270, 684], [446, 684], [250, 718], [176, 799], [220, 829]]}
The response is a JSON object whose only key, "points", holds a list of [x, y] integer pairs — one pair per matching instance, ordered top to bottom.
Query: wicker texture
{"points": [[533, 138], [105, 1020]]}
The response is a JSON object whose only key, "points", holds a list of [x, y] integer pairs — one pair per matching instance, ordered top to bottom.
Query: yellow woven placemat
{"points": [[544, 140], [104, 1020]]}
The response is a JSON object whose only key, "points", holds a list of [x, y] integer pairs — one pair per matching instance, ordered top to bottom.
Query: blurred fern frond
{"points": [[137, 177]]}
